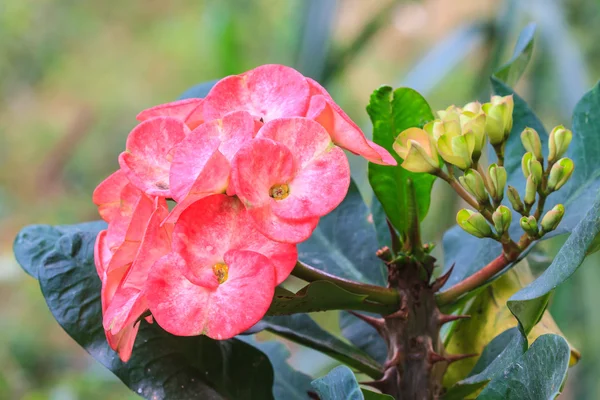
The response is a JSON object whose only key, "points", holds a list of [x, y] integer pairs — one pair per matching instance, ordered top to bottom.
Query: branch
{"points": [[379, 294]]}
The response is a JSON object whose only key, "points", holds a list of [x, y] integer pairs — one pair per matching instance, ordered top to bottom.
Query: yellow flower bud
{"points": [[474, 107], [451, 113], [498, 118], [475, 123], [558, 142], [532, 143], [455, 147], [416, 148], [531, 166], [560, 173], [472, 181], [497, 182], [530, 190], [515, 199], [502, 218], [552, 218], [473, 223], [529, 225]]}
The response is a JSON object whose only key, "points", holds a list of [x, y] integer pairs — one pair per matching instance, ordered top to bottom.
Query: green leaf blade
{"points": [[511, 72], [391, 113], [340, 384]]}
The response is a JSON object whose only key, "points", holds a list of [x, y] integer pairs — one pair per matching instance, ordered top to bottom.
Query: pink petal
{"points": [[267, 92], [187, 110], [233, 131], [344, 132], [304, 137], [147, 160], [198, 166], [257, 167], [318, 188], [107, 195], [280, 229], [102, 253], [241, 301], [177, 305], [125, 308], [183, 308], [123, 342]]}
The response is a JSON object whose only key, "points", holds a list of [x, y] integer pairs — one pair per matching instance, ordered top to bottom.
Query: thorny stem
{"points": [[378, 294]]}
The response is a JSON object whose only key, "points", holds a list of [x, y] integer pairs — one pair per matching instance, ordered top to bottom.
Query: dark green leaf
{"points": [[511, 72], [198, 91], [390, 116], [381, 226], [34, 242], [345, 243], [529, 303], [302, 329], [363, 336], [501, 352], [162, 365], [537, 374], [290, 384], [340, 384]]}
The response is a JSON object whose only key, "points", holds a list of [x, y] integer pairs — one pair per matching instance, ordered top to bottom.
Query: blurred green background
{"points": [[73, 75]]}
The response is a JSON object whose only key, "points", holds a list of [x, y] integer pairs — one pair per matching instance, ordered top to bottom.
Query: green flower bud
{"points": [[474, 107], [451, 113], [498, 118], [474, 123], [531, 142], [558, 142], [455, 147], [416, 148], [531, 166], [560, 173], [497, 181], [473, 182], [530, 190], [515, 199], [502, 218], [552, 218], [473, 223], [529, 225]]}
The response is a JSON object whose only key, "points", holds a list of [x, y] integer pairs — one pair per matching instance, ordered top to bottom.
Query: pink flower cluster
{"points": [[251, 167]]}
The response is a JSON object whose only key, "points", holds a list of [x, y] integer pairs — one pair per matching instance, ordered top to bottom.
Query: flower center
{"points": [[279, 192], [221, 271]]}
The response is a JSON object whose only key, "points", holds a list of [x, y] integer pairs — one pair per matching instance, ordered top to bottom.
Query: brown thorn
{"points": [[441, 281], [402, 312], [445, 318], [377, 323], [434, 357], [457, 357], [395, 360], [384, 383]]}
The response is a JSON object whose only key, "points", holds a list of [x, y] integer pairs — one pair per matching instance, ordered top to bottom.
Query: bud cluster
{"points": [[456, 140]]}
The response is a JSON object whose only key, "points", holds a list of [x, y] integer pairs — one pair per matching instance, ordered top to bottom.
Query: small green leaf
{"points": [[511, 72], [390, 116], [345, 243], [529, 303], [302, 329], [501, 352], [162, 365], [537, 374], [289, 384], [340, 384]]}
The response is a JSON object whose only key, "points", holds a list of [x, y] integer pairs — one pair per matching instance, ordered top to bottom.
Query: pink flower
{"points": [[276, 91], [188, 110], [147, 159], [290, 175], [124, 253], [220, 277]]}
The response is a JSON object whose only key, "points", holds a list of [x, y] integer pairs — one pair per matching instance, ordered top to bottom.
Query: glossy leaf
{"points": [[511, 72], [391, 113], [344, 243], [529, 303], [302, 329], [363, 336], [501, 352], [173, 367], [537, 374], [289, 384], [340, 384]]}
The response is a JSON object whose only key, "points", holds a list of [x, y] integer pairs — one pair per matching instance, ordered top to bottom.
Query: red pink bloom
{"points": [[251, 169]]}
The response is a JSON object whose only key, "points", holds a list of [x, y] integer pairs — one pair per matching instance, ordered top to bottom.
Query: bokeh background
{"points": [[73, 75]]}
